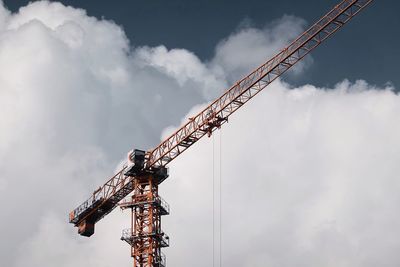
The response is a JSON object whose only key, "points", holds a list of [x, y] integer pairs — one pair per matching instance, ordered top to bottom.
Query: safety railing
{"points": [[130, 237]]}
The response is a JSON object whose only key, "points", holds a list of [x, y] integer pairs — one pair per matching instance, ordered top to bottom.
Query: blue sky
{"points": [[354, 53]]}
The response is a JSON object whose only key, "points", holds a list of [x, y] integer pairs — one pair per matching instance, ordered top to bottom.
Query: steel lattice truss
{"points": [[217, 112], [106, 198]]}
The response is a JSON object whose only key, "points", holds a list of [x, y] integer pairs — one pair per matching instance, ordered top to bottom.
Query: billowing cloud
{"points": [[248, 47], [184, 67], [74, 98], [308, 174], [309, 178]]}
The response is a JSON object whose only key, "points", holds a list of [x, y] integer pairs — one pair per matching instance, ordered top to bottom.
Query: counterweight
{"points": [[148, 168]]}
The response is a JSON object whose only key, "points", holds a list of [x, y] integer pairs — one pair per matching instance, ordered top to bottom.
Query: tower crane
{"points": [[144, 171]]}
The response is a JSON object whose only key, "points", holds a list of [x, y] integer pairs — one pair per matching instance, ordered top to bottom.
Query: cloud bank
{"points": [[309, 175], [309, 178]]}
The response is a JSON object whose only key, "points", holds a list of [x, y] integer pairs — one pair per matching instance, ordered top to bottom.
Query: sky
{"points": [[198, 26], [307, 172]]}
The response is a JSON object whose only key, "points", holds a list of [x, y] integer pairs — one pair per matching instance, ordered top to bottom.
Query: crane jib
{"points": [[207, 120], [106, 197]]}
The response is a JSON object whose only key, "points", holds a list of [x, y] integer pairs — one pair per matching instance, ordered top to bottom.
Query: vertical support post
{"points": [[145, 235], [145, 249]]}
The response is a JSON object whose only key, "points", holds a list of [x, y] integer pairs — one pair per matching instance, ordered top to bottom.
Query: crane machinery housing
{"points": [[135, 186]]}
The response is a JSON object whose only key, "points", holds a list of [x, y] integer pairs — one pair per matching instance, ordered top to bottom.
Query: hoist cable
{"points": [[220, 198], [213, 200]]}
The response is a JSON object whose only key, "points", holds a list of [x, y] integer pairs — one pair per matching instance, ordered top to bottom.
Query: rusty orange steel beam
{"points": [[217, 112], [106, 198]]}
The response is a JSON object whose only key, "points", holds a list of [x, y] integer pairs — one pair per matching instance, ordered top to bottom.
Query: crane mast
{"points": [[144, 171]]}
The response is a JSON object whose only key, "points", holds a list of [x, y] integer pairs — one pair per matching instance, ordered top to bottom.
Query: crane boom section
{"points": [[218, 111], [106, 198]]}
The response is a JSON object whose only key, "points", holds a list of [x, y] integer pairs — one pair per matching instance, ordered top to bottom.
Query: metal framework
{"points": [[145, 234]]}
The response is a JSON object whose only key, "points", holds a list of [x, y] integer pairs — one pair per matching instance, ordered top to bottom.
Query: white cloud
{"points": [[248, 47], [184, 67], [72, 103], [309, 174], [310, 178], [53, 243]]}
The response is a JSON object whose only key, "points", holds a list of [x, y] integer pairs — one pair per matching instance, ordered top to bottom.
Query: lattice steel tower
{"points": [[145, 236]]}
